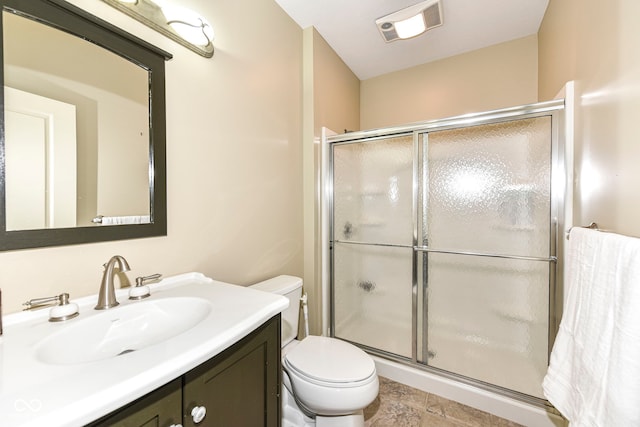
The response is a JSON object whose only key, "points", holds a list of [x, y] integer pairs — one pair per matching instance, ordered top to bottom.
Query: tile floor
{"points": [[398, 405]]}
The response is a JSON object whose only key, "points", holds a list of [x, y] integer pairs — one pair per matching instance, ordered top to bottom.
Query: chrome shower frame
{"points": [[559, 170]]}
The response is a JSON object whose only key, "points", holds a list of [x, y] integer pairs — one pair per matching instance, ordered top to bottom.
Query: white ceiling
{"points": [[349, 28]]}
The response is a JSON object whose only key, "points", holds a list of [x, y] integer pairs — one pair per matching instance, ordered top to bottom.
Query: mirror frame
{"points": [[68, 18]]}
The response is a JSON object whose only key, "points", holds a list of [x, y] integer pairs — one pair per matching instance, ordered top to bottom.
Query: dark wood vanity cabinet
{"points": [[238, 387], [161, 408]]}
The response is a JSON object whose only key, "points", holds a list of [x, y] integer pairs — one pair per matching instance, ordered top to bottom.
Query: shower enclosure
{"points": [[443, 244]]}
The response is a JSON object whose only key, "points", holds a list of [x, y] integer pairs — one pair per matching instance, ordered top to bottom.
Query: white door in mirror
{"points": [[40, 147]]}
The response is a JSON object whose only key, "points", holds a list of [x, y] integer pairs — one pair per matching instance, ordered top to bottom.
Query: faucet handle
{"points": [[141, 280], [141, 291], [37, 302], [64, 310]]}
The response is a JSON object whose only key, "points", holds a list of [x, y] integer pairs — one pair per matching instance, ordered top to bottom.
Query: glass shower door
{"points": [[444, 242], [373, 243], [485, 244]]}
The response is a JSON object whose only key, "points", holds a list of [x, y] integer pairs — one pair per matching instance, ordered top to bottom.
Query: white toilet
{"points": [[326, 381]]}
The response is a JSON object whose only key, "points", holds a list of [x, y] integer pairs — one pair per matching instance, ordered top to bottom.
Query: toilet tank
{"points": [[290, 287]]}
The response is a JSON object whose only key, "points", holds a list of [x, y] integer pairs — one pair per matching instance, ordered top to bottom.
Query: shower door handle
{"points": [[452, 252], [485, 254]]}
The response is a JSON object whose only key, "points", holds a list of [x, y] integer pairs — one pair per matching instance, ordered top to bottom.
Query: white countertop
{"points": [[34, 393]]}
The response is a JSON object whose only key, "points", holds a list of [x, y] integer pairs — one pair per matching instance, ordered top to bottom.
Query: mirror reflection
{"points": [[77, 140]]}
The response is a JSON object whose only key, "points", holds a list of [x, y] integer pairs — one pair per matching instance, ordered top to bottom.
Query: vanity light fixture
{"points": [[411, 21], [180, 24], [189, 25]]}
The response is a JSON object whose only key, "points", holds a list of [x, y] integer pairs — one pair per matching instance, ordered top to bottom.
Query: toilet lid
{"points": [[330, 360]]}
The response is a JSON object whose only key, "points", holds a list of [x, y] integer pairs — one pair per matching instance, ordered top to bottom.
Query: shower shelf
{"points": [[372, 223], [522, 228], [516, 317]]}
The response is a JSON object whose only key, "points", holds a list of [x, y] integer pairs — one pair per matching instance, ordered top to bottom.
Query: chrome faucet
{"points": [[107, 294]]}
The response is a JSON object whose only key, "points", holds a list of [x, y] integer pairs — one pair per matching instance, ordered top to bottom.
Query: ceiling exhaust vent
{"points": [[411, 21]]}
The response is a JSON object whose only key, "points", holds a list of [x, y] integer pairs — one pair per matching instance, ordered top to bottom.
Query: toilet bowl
{"points": [[330, 377], [326, 381]]}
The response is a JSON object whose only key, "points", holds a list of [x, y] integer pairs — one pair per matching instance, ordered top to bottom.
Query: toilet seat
{"points": [[330, 362]]}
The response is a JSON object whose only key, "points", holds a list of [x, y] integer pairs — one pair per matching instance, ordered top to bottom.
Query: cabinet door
{"points": [[241, 386], [160, 408]]}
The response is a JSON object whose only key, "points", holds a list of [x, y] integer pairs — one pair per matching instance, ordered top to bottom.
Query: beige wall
{"points": [[599, 48], [498, 76], [336, 90], [332, 100], [234, 163]]}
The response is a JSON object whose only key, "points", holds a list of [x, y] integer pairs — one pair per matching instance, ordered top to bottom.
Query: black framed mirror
{"points": [[82, 130]]}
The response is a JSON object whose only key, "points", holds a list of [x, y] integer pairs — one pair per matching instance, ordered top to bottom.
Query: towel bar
{"points": [[593, 226]]}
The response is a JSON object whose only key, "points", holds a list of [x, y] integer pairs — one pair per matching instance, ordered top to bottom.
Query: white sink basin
{"points": [[122, 330], [68, 374]]}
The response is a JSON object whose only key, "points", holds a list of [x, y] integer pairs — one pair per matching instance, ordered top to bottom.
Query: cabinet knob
{"points": [[198, 413], [175, 425]]}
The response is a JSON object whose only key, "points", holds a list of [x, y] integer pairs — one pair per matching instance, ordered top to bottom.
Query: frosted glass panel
{"points": [[489, 188], [479, 190], [373, 191], [373, 288], [488, 319]]}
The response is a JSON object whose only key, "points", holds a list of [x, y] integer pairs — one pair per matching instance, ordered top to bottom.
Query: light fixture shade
{"points": [[411, 21], [178, 23], [411, 27]]}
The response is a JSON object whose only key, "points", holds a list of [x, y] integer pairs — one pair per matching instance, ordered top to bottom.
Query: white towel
{"points": [[131, 219], [594, 371]]}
